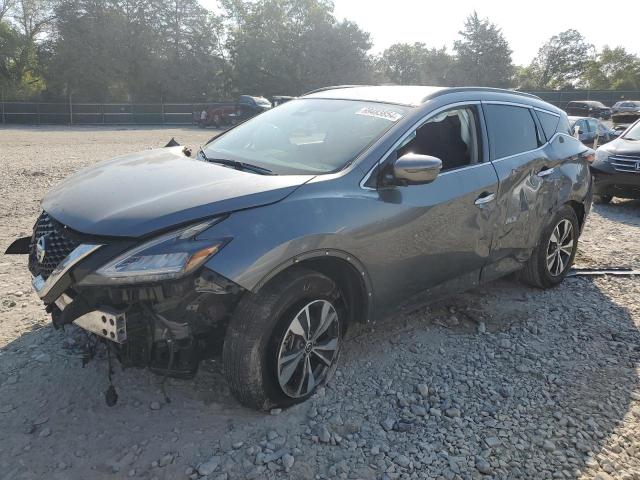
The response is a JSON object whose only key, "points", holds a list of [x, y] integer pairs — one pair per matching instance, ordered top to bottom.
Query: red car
{"points": [[215, 115]]}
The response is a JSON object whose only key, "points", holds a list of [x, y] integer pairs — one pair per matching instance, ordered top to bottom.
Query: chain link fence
{"points": [[30, 113]]}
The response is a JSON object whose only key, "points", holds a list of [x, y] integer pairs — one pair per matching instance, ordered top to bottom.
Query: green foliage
{"points": [[293, 46], [138, 50], [176, 50], [483, 54], [562, 61], [415, 64], [615, 69]]}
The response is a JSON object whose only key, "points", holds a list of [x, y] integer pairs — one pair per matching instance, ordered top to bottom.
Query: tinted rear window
{"points": [[549, 123], [511, 130]]}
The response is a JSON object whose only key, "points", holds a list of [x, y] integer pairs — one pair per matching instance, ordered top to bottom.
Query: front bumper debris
{"points": [[105, 322]]}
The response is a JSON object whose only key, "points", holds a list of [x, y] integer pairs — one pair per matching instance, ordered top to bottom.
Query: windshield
{"points": [[633, 133], [306, 136]]}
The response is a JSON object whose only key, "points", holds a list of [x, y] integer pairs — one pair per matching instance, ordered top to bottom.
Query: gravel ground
{"points": [[501, 382]]}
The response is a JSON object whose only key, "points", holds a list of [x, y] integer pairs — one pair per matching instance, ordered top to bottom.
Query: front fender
{"points": [[268, 239]]}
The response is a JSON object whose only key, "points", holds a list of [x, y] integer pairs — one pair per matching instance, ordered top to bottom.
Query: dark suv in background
{"points": [[626, 106], [588, 108], [616, 167], [337, 207]]}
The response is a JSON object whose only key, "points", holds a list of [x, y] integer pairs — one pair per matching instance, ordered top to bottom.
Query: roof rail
{"points": [[334, 87], [478, 89]]}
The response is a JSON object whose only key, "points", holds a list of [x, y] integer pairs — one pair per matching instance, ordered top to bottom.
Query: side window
{"points": [[549, 123], [582, 125], [564, 126], [511, 130], [451, 136]]}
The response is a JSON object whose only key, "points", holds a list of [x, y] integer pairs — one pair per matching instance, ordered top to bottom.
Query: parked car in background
{"points": [[280, 99], [626, 106], [248, 107], [588, 108], [221, 115], [216, 116], [623, 120], [590, 129], [616, 168], [337, 207]]}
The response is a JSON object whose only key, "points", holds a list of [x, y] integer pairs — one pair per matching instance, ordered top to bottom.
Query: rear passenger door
{"points": [[527, 186]]}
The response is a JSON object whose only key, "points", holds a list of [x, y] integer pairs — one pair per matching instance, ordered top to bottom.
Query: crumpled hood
{"points": [[138, 194]]}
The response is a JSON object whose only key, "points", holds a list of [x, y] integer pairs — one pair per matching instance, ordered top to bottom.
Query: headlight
{"points": [[167, 257]]}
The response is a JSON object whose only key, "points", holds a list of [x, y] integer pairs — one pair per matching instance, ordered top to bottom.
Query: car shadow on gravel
{"points": [[541, 393]]}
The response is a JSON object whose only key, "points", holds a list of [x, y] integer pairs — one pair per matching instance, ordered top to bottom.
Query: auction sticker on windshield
{"points": [[380, 113]]}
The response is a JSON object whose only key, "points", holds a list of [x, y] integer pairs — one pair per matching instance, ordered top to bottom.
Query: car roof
{"points": [[410, 95]]}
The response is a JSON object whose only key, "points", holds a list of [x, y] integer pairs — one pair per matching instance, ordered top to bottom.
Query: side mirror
{"points": [[414, 169]]}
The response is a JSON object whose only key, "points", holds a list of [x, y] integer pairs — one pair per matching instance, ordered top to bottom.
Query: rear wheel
{"points": [[552, 258], [283, 342]]}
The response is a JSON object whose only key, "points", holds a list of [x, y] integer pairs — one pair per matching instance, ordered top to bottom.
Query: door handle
{"points": [[545, 172], [485, 198]]}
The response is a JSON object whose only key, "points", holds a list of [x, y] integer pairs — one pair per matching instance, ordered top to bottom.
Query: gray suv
{"points": [[337, 207]]}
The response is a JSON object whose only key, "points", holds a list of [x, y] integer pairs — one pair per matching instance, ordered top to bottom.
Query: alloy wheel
{"points": [[560, 248], [308, 349]]}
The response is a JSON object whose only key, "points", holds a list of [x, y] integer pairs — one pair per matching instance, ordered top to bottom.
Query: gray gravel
{"points": [[501, 382]]}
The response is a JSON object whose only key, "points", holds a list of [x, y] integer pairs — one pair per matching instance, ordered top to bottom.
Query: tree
{"points": [[5, 7], [23, 23], [293, 46], [136, 50], [483, 54], [562, 60], [415, 64], [614, 68]]}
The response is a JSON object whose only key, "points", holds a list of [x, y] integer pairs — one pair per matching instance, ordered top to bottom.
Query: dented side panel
{"points": [[533, 187]]}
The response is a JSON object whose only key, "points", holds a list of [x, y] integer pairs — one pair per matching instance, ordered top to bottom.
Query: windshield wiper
{"points": [[236, 164]]}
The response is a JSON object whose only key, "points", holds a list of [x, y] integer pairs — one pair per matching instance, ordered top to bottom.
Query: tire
{"points": [[603, 199], [542, 270], [263, 336]]}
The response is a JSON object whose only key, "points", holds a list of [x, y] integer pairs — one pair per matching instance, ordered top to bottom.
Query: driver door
{"points": [[438, 235]]}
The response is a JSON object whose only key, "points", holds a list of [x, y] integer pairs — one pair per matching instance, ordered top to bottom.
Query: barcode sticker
{"points": [[380, 113]]}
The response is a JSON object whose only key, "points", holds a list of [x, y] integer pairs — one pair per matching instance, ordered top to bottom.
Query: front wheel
{"points": [[553, 256], [283, 342]]}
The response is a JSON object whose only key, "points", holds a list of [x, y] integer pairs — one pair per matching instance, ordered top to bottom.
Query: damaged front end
{"points": [[153, 301]]}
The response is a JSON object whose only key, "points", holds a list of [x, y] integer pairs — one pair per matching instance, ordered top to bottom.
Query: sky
{"points": [[525, 25]]}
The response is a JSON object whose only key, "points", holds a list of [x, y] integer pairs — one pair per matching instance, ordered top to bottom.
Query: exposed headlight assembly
{"points": [[167, 257]]}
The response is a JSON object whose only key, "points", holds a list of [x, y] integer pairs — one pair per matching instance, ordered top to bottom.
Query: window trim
{"points": [[539, 121], [415, 126], [476, 137]]}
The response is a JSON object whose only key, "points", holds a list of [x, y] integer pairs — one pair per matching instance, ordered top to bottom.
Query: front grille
{"points": [[626, 163], [59, 243]]}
